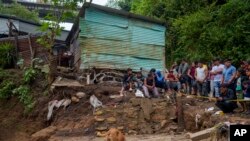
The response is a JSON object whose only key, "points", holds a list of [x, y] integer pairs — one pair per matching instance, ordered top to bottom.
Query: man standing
{"points": [[183, 74], [201, 74], [229, 74], [217, 76], [225, 101]]}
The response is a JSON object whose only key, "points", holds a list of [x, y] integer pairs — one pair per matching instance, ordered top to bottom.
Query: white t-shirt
{"points": [[200, 73], [218, 77]]}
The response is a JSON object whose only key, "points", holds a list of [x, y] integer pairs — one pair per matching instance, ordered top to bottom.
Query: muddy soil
{"points": [[150, 118]]}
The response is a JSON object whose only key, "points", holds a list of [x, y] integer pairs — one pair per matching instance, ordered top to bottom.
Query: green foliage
{"points": [[120, 4], [19, 11], [52, 29], [202, 29], [215, 32], [6, 54], [29, 75], [6, 88], [23, 94]]}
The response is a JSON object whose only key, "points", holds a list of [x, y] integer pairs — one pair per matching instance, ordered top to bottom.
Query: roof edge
{"points": [[124, 13]]}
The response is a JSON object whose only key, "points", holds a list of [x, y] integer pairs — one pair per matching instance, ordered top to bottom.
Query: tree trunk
{"points": [[50, 73]]}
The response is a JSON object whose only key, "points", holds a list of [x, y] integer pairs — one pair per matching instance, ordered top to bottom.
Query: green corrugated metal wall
{"points": [[112, 41]]}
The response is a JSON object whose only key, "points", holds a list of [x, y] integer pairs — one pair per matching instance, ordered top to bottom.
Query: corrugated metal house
{"points": [[116, 39]]}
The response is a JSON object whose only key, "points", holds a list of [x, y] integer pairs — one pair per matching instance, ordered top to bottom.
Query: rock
{"points": [[80, 95], [74, 99], [135, 101], [146, 105], [160, 109], [130, 112], [98, 113], [158, 118], [99, 119], [111, 120], [163, 123], [132, 125], [157, 127], [101, 128], [120, 128], [173, 128], [145, 129], [133, 132], [172, 133], [43, 134], [101, 134]]}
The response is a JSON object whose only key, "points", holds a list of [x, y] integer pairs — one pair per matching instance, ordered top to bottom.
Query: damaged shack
{"points": [[23, 35], [116, 39]]}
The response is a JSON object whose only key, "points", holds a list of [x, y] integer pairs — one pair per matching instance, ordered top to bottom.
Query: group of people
{"points": [[220, 80]]}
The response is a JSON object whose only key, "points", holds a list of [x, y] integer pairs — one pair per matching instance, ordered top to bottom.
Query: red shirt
{"points": [[171, 76]]}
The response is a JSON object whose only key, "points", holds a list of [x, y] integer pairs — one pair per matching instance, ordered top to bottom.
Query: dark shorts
{"points": [[184, 79]]}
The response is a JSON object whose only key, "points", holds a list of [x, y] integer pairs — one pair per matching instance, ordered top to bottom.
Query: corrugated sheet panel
{"points": [[98, 16], [113, 41]]}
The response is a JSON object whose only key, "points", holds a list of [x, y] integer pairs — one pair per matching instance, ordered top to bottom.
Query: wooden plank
{"points": [[204, 134]]}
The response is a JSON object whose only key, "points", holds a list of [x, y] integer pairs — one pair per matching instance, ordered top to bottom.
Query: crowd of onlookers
{"points": [[219, 80]]}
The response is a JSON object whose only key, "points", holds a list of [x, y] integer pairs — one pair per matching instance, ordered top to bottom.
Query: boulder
{"points": [[80, 95], [74, 99], [135, 101], [146, 105], [98, 113], [158, 117], [99, 119], [111, 120], [163, 123], [101, 128], [133, 132], [43, 134]]}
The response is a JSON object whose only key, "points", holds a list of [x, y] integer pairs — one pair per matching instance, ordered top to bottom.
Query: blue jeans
{"points": [[202, 88], [217, 88]]}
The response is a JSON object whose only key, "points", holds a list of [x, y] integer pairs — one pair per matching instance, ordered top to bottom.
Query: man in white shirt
{"points": [[217, 71], [201, 74]]}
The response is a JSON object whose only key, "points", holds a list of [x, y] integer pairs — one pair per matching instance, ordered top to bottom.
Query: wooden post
{"points": [[10, 27], [31, 50], [16, 51], [180, 115]]}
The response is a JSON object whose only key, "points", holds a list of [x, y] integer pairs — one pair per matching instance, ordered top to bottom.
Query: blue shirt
{"points": [[228, 73]]}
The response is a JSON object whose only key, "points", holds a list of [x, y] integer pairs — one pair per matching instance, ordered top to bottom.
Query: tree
{"points": [[120, 4], [64, 9], [19, 11], [202, 29]]}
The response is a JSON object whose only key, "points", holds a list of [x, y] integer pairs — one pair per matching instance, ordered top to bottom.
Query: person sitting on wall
{"points": [[159, 79], [139, 80], [127, 81], [172, 81], [149, 86], [225, 101]]}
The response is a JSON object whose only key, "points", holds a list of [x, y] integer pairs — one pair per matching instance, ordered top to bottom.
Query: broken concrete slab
{"points": [[63, 82], [204, 134]]}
